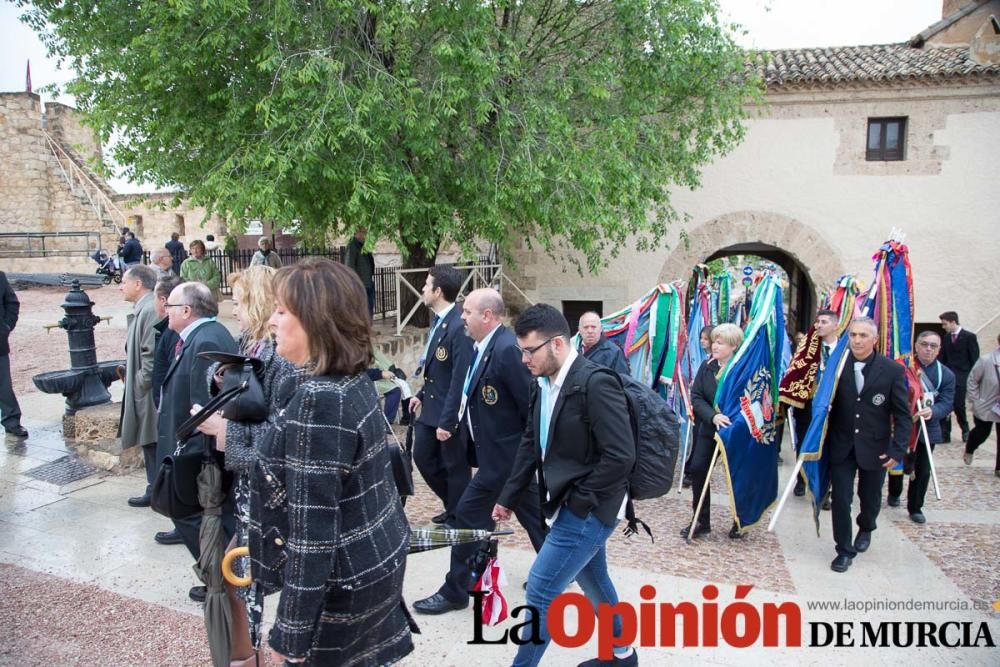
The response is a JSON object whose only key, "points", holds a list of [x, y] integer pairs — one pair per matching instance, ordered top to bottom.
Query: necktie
{"points": [[430, 337], [954, 338], [177, 347], [825, 354], [472, 369], [859, 378], [543, 416]]}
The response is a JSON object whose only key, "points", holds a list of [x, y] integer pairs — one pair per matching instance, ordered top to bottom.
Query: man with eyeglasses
{"points": [[191, 312], [939, 393], [579, 440]]}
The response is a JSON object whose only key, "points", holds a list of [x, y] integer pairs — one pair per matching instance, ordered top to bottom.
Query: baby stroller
{"points": [[107, 267]]}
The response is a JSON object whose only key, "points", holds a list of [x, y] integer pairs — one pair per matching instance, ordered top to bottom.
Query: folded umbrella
{"points": [[428, 539], [208, 568]]}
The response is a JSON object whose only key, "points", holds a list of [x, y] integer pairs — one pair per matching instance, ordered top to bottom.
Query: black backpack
{"points": [[656, 429]]}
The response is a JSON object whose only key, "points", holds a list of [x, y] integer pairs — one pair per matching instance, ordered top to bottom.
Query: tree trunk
{"points": [[416, 257]]}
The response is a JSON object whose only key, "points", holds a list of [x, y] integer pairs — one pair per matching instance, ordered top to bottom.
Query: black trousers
{"points": [[961, 385], [10, 411], [978, 435], [701, 456], [149, 462], [443, 465], [870, 493], [916, 493], [474, 511], [190, 527]]}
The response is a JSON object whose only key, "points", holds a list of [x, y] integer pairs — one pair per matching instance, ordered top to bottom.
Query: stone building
{"points": [[808, 189], [55, 209]]}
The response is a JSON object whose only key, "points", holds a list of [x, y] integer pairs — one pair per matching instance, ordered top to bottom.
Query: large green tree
{"points": [[560, 122]]}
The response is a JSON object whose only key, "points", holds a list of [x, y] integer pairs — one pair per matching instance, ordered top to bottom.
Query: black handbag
{"points": [[242, 372], [174, 492]]}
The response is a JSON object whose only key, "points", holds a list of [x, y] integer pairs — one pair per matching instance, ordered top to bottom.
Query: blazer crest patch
{"points": [[441, 354], [490, 395], [878, 399]]}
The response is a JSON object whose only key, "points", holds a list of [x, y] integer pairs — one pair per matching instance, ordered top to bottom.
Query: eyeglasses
{"points": [[175, 305], [929, 346], [530, 351]]}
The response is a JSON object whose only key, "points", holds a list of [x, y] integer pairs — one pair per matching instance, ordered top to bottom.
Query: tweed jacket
{"points": [[139, 414], [327, 527]]}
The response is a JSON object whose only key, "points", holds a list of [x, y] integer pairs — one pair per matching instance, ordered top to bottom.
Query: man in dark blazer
{"points": [[191, 312], [595, 347], [959, 352], [939, 392], [10, 411], [493, 412], [868, 431], [579, 440], [438, 449]]}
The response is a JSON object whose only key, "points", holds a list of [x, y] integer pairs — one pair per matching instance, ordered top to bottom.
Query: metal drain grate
{"points": [[62, 471]]}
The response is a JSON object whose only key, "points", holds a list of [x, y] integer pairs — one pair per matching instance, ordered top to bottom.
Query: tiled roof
{"points": [[880, 63]]}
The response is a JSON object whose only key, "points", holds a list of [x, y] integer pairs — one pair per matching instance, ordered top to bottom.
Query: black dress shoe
{"points": [[17, 431], [686, 482], [800, 488], [139, 501], [893, 501], [826, 504], [918, 517], [440, 518], [699, 530], [735, 534], [168, 537], [863, 541], [841, 563], [198, 593], [438, 604], [631, 661]]}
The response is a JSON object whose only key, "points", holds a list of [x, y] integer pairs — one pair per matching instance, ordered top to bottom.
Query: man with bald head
{"points": [[191, 312], [595, 347], [492, 413], [868, 431]]}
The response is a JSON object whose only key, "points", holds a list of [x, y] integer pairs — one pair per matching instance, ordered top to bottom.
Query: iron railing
{"points": [[49, 244]]}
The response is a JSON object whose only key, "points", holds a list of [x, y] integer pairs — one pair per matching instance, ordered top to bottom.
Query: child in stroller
{"points": [[107, 267]]}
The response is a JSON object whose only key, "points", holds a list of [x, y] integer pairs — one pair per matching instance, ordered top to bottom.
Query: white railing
{"points": [[80, 181], [480, 275]]}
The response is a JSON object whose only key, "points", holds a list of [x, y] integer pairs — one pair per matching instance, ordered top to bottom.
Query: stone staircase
{"points": [[88, 187]]}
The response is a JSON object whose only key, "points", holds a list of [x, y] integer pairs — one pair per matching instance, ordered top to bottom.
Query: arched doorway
{"points": [[812, 263]]}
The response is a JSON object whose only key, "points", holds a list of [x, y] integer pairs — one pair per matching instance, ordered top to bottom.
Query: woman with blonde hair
{"points": [[253, 305], [726, 338], [326, 523]]}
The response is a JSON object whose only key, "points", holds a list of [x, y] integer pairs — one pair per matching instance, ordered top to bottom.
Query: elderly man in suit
{"points": [[191, 312], [595, 347], [959, 352], [10, 411], [493, 413], [138, 426], [867, 434], [579, 441], [438, 449]]}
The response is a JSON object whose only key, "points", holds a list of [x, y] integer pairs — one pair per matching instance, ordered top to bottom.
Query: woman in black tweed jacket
{"points": [[326, 523]]}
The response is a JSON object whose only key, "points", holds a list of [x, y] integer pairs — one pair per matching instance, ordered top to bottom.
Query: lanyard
{"points": [[430, 337], [937, 364]]}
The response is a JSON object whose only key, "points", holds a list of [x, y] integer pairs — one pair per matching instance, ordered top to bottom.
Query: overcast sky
{"points": [[769, 24]]}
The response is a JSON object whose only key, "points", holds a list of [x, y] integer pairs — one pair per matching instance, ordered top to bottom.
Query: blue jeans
{"points": [[573, 549]]}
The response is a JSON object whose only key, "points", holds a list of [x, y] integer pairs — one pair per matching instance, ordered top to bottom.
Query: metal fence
{"points": [[49, 244], [385, 277]]}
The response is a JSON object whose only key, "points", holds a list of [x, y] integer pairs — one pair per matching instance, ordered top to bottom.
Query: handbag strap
{"points": [[187, 429]]}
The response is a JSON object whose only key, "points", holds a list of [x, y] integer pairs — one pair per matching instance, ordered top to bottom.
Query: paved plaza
{"points": [[83, 582]]}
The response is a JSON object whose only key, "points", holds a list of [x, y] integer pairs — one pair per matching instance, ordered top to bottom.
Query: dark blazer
{"points": [[131, 252], [177, 254], [362, 263], [10, 307], [607, 354], [961, 355], [163, 356], [443, 372], [943, 380], [184, 384], [703, 389], [498, 405], [876, 422], [591, 449], [328, 529]]}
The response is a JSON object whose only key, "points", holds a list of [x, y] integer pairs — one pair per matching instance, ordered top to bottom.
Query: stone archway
{"points": [[763, 233]]}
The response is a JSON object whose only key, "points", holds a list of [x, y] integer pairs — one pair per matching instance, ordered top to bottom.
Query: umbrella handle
{"points": [[227, 567]]}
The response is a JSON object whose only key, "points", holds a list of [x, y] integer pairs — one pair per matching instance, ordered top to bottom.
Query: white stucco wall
{"points": [[800, 182]]}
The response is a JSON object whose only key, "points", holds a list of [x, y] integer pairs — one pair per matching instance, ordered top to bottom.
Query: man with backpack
{"points": [[580, 441]]}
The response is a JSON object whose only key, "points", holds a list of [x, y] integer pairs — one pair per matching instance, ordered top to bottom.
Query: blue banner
{"points": [[748, 395]]}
